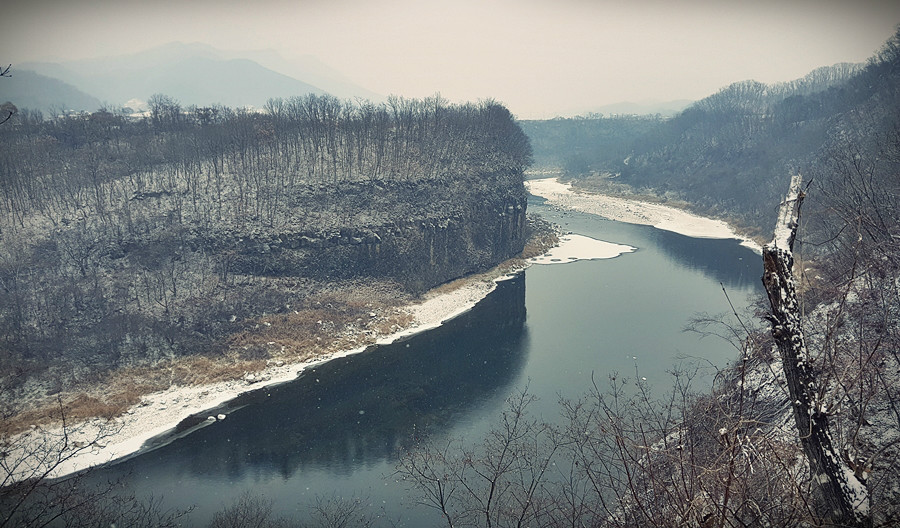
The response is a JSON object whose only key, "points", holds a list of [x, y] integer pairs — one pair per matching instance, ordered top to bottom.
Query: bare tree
{"points": [[7, 109], [502, 481], [31, 496], [844, 499], [248, 511], [340, 512]]}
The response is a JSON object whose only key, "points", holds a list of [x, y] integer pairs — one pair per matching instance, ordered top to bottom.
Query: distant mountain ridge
{"points": [[307, 68], [311, 70], [193, 74], [27, 89], [759, 97], [663, 108]]}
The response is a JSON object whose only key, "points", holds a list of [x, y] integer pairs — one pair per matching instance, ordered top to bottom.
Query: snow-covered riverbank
{"points": [[635, 212], [160, 412], [99, 441]]}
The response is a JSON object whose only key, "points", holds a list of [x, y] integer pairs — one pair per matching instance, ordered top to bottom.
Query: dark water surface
{"points": [[336, 430]]}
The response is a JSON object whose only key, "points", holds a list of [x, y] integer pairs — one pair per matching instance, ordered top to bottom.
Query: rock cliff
{"points": [[430, 235]]}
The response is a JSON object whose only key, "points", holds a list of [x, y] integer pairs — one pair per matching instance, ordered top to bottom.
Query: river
{"points": [[335, 431]]}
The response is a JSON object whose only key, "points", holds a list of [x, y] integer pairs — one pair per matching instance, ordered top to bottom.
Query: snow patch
{"points": [[635, 212], [573, 247]]}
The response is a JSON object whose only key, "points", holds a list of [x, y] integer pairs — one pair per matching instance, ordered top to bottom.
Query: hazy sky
{"points": [[540, 57]]}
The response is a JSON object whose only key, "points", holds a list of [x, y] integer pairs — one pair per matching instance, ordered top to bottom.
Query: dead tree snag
{"points": [[843, 499]]}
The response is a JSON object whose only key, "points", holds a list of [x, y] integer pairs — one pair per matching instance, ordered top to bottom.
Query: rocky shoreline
{"points": [[98, 441]]}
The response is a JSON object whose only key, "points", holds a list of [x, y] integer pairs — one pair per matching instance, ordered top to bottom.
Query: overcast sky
{"points": [[539, 57]]}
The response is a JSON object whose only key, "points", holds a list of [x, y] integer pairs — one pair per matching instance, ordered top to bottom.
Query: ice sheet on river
{"points": [[578, 247]]}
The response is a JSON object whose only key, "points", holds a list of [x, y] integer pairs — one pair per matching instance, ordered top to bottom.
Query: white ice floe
{"points": [[635, 212], [577, 247]]}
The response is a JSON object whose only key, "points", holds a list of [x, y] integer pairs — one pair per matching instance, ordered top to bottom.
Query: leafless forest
{"points": [[126, 240]]}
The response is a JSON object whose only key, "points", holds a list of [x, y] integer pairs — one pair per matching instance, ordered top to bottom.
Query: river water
{"points": [[335, 431]]}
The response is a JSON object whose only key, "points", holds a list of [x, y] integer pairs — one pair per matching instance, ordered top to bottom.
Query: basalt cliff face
{"points": [[431, 235]]}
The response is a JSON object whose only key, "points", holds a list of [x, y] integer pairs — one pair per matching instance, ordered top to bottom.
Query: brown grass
{"points": [[539, 243], [453, 285], [343, 319], [339, 320], [394, 323], [117, 391], [77, 408]]}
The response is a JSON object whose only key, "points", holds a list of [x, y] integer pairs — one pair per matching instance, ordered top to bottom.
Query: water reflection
{"points": [[724, 261], [735, 266], [356, 411], [336, 429]]}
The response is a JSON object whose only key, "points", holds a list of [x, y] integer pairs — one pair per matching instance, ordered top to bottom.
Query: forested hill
{"points": [[582, 144], [730, 153], [127, 241]]}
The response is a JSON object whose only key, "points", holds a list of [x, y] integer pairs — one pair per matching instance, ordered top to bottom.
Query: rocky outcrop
{"points": [[460, 234]]}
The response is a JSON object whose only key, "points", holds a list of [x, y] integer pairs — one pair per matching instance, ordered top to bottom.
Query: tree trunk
{"points": [[842, 498]]}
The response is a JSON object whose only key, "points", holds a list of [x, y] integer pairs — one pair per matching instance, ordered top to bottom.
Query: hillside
{"points": [[30, 90], [579, 146], [728, 154], [733, 154], [216, 233], [747, 456]]}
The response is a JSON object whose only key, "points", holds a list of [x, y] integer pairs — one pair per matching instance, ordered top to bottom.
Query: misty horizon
{"points": [[540, 59]]}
